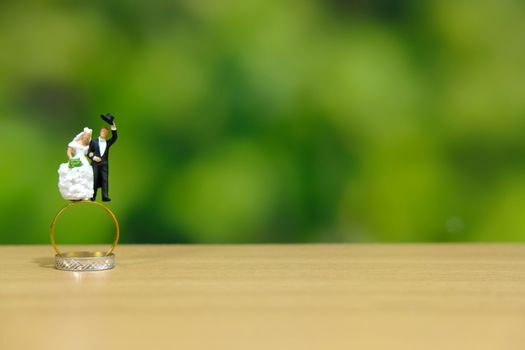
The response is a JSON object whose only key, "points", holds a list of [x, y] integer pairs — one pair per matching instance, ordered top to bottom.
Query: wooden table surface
{"points": [[334, 296]]}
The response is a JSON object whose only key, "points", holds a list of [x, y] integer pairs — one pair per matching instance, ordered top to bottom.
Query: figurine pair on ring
{"points": [[80, 180]]}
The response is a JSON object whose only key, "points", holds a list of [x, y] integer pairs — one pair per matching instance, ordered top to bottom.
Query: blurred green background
{"points": [[269, 120]]}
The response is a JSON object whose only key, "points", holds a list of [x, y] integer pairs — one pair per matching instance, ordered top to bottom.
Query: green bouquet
{"points": [[75, 163]]}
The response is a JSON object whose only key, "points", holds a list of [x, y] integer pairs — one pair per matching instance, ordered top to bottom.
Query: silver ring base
{"points": [[84, 261]]}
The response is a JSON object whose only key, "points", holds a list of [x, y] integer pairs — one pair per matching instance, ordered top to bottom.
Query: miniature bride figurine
{"points": [[75, 181]]}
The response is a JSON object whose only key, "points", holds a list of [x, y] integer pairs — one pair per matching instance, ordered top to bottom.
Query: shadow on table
{"points": [[46, 262]]}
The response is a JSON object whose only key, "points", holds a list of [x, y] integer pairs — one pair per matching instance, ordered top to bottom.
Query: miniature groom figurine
{"points": [[99, 154]]}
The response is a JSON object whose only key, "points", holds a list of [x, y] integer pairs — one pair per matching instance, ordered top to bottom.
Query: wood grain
{"points": [[413, 296]]}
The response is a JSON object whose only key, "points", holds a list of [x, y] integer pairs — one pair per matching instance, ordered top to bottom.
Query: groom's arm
{"points": [[114, 135], [91, 151]]}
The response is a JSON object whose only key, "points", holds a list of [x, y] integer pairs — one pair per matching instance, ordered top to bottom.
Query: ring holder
{"points": [[85, 261]]}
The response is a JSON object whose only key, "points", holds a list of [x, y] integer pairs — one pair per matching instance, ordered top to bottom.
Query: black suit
{"points": [[101, 169]]}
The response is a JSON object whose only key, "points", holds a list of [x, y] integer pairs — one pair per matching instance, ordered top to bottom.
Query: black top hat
{"points": [[108, 118]]}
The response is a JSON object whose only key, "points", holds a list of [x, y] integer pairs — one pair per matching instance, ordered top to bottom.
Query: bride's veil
{"points": [[79, 136]]}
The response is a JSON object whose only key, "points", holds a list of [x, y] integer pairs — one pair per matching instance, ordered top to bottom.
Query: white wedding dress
{"points": [[76, 183]]}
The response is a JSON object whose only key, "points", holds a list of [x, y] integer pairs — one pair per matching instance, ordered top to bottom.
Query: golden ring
{"points": [[115, 222]]}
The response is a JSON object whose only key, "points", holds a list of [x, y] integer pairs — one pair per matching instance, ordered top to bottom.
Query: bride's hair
{"points": [[79, 136]]}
